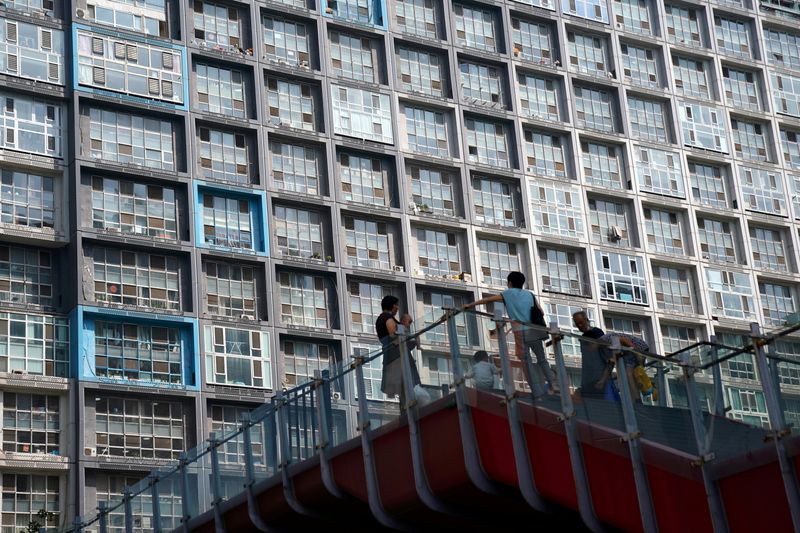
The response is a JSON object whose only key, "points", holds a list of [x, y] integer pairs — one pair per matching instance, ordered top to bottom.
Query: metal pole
{"points": [[661, 376], [719, 393], [323, 405], [778, 426], [632, 436], [271, 438], [286, 458], [522, 459], [370, 471], [216, 483], [185, 496], [156, 502], [126, 503], [715, 504], [585, 505], [253, 511], [102, 515]]}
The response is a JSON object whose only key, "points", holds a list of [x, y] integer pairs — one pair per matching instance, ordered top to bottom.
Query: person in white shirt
{"points": [[483, 371]]}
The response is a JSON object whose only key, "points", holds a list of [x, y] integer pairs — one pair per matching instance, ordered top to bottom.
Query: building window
{"points": [[595, 10], [359, 11], [633, 16], [149, 17], [418, 17], [217, 24], [683, 25], [475, 27], [733, 36], [286, 40], [533, 41], [782, 49], [31, 52], [587, 53], [352, 57], [640, 66], [130, 67], [422, 71], [691, 77], [482, 83], [741, 88], [221, 90], [786, 94], [539, 96], [291, 103], [595, 109], [362, 114], [649, 119], [30, 125], [703, 127], [426, 131], [130, 139], [749, 140], [487, 143], [791, 148], [544, 154], [224, 155], [602, 165], [296, 167], [658, 171], [363, 178], [794, 180], [708, 185], [432, 190], [762, 190], [27, 199], [496, 202], [134, 208], [556, 208], [227, 222], [608, 222], [664, 231], [298, 232], [718, 240], [367, 243], [768, 249], [438, 252], [498, 260], [563, 272], [26, 276], [621, 277], [143, 279], [673, 289], [230, 290], [730, 294], [304, 300], [365, 303], [431, 303], [777, 303], [562, 314], [628, 325], [676, 338], [34, 344], [128, 351], [237, 357], [302, 358], [742, 366], [373, 372], [789, 373], [748, 406], [227, 419], [31, 423], [126, 427], [109, 490], [24, 495]]}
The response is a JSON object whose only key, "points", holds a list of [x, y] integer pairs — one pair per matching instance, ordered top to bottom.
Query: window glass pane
{"points": [[237, 357]]}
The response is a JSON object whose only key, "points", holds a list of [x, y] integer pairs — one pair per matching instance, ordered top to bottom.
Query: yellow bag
{"points": [[645, 384]]}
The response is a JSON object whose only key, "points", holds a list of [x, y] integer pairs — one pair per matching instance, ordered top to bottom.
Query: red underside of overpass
{"points": [[750, 483]]}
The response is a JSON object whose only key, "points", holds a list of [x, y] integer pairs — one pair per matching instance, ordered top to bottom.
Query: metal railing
{"points": [[302, 422]]}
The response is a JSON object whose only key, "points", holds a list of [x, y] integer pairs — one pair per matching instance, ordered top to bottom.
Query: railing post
{"points": [[716, 372], [661, 377], [324, 416], [777, 425], [271, 436], [632, 436], [286, 457], [522, 459], [370, 471], [216, 483], [184, 484], [156, 502], [126, 504], [585, 504], [715, 504], [253, 511], [102, 517], [77, 524]]}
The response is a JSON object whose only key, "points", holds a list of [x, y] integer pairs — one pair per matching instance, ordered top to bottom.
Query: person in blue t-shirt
{"points": [[518, 303]]}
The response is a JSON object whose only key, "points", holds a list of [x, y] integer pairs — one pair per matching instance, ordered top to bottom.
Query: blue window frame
{"points": [[231, 219]]}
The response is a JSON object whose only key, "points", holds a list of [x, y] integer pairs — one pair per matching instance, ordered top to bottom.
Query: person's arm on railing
{"points": [[482, 301]]}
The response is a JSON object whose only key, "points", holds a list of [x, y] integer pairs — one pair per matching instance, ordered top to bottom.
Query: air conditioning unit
{"points": [[80, 13], [615, 233], [398, 268], [336, 396], [90, 452]]}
